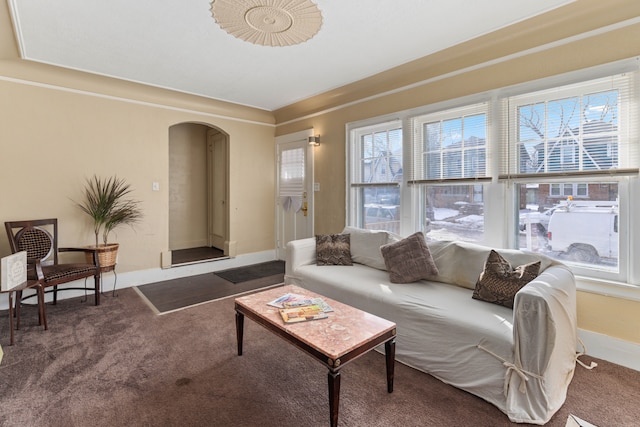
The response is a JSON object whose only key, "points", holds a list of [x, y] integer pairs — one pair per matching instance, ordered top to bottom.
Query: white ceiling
{"points": [[176, 44]]}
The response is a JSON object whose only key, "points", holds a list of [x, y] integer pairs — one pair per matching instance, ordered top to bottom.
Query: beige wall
{"points": [[527, 51], [58, 127], [53, 139]]}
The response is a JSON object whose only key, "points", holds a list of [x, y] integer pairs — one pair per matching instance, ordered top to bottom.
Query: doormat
{"points": [[252, 272]]}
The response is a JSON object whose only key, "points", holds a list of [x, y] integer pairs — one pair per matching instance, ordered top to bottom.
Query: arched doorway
{"points": [[198, 193]]}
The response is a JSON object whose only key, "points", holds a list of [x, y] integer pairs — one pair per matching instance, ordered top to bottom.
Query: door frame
{"points": [[217, 169], [309, 184]]}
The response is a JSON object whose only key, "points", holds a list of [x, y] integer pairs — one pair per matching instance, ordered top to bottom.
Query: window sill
{"points": [[608, 288]]}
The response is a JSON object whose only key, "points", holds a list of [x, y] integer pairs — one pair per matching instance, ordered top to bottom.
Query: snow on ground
{"points": [[444, 213], [472, 220]]}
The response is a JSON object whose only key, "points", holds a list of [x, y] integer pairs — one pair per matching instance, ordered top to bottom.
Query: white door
{"points": [[294, 189]]}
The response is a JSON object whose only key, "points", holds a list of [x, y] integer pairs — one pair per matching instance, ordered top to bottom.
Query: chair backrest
{"points": [[38, 237]]}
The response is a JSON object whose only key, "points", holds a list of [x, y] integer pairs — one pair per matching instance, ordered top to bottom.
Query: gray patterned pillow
{"points": [[333, 249], [409, 259], [499, 282]]}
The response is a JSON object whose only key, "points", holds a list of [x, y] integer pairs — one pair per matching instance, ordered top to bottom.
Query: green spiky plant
{"points": [[106, 203]]}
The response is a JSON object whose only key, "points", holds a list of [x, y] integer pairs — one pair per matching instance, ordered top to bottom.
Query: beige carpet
{"points": [[118, 364]]}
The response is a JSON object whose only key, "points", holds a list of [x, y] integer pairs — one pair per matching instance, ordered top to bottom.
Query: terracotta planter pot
{"points": [[107, 254]]}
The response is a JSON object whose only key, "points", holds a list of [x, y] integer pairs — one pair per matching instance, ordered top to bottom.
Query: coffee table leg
{"points": [[239, 330], [390, 353], [334, 396]]}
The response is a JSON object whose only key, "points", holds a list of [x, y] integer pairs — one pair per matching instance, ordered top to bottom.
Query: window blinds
{"points": [[578, 130], [450, 146], [377, 155], [292, 172]]}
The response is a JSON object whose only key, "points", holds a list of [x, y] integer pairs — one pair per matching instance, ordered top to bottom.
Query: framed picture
{"points": [[13, 270]]}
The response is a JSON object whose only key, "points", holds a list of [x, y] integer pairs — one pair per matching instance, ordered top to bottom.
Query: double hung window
{"points": [[568, 157], [449, 167], [376, 174]]}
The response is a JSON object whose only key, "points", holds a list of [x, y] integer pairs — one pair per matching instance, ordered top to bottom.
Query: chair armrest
{"points": [[72, 249], [94, 251], [27, 284]]}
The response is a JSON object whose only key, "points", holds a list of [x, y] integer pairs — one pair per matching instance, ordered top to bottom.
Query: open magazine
{"points": [[295, 300], [299, 308]]}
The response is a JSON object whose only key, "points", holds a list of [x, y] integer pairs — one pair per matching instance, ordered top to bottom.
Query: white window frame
{"points": [[558, 93], [421, 151], [627, 159], [421, 179], [356, 209]]}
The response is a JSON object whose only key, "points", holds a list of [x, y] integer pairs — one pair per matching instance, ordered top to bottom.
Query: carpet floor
{"points": [[118, 364]]}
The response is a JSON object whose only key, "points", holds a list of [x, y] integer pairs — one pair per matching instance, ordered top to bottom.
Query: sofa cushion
{"points": [[365, 246], [333, 249], [408, 260], [460, 263], [499, 282]]}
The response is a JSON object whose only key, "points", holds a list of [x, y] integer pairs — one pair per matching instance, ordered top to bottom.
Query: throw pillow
{"points": [[365, 246], [333, 249], [408, 260], [499, 282]]}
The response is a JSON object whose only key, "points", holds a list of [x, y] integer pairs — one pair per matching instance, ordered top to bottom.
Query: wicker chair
{"points": [[40, 239]]}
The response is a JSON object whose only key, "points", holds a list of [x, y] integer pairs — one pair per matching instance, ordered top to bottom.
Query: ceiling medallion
{"points": [[268, 22]]}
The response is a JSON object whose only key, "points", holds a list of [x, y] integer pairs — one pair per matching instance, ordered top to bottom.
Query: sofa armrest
{"points": [[299, 252], [545, 318]]}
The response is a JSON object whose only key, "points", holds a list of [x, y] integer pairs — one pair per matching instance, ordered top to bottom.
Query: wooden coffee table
{"points": [[346, 334]]}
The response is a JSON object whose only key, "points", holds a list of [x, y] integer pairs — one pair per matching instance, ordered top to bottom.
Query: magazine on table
{"points": [[288, 298], [295, 300], [309, 301], [303, 313]]}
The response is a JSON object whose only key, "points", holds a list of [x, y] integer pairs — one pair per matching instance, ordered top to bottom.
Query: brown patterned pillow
{"points": [[333, 249], [409, 259], [499, 282]]}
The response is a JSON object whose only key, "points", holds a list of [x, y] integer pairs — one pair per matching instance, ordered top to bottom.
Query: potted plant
{"points": [[106, 202]]}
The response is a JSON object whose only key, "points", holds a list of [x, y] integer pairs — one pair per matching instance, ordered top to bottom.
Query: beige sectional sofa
{"points": [[521, 360]]}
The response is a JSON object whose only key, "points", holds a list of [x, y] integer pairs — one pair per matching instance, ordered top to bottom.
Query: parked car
{"points": [[382, 217]]}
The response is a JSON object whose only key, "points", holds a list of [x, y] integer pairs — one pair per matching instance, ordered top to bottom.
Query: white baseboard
{"points": [[141, 277], [611, 349]]}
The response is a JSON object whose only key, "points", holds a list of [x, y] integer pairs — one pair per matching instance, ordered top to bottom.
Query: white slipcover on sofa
{"points": [[521, 360]]}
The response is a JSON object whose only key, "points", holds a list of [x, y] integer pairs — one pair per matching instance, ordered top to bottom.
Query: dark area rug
{"points": [[190, 255], [252, 272], [176, 294], [118, 364]]}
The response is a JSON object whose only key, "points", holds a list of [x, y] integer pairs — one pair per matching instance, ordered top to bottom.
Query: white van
{"points": [[585, 232]]}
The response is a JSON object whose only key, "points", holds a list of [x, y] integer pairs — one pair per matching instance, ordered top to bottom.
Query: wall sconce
{"points": [[314, 140]]}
